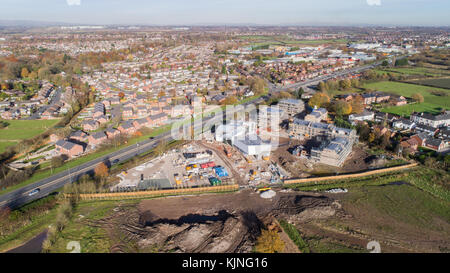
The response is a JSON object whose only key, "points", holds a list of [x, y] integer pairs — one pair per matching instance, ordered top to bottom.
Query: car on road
{"points": [[115, 161], [33, 192]]}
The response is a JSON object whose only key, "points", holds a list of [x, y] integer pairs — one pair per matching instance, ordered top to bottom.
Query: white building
{"points": [[234, 130], [253, 145]]}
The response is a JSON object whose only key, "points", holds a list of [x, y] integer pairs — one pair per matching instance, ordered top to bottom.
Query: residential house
{"points": [[365, 115], [436, 121], [404, 124], [89, 125], [112, 133], [97, 138], [68, 148]]}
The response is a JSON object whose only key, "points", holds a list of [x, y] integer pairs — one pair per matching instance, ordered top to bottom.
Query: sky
{"points": [[231, 12]]}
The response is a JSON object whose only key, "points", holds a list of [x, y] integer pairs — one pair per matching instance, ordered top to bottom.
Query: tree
{"points": [[385, 63], [24, 73], [345, 84], [322, 87], [300, 92], [121, 95], [418, 97], [319, 99], [230, 100], [357, 104], [342, 108], [371, 137], [386, 140], [57, 161], [101, 170], [269, 242]]}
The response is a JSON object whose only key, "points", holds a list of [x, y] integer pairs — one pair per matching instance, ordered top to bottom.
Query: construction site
{"points": [[199, 164]]}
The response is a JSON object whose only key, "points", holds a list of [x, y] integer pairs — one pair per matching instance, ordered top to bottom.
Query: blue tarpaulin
{"points": [[220, 171]]}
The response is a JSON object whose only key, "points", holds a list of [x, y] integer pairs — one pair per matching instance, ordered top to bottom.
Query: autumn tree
{"points": [[24, 73], [345, 84], [322, 87], [121, 95], [418, 97], [319, 99], [230, 100], [357, 104], [342, 108], [101, 170], [269, 242]]}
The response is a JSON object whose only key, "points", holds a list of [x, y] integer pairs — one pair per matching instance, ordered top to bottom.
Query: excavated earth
{"points": [[208, 223]]}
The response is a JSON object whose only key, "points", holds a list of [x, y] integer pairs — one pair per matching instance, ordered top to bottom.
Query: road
{"points": [[48, 185]]}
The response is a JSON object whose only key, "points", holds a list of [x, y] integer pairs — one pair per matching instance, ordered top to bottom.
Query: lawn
{"points": [[432, 103], [25, 129], [6, 144]]}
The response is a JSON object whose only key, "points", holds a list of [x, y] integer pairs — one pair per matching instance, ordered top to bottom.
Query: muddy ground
{"points": [[358, 160], [232, 222], [208, 223]]}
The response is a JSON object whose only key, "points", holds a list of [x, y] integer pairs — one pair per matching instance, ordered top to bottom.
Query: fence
{"points": [[346, 176], [156, 193]]}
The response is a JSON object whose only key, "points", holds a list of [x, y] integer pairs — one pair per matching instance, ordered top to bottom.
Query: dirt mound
{"points": [[295, 204], [232, 223], [217, 233]]}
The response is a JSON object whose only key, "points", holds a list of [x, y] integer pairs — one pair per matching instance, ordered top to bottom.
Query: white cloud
{"points": [[78, 2], [374, 2]]}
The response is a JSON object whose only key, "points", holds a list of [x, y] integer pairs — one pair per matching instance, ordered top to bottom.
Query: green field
{"points": [[419, 71], [439, 83], [432, 103], [25, 129], [18, 130], [6, 144]]}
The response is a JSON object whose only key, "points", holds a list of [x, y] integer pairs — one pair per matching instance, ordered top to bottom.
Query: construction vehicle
{"points": [[177, 179], [263, 189]]}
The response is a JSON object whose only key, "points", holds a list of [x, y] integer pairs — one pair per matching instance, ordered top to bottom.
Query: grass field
{"points": [[419, 71], [439, 83], [432, 103], [25, 129], [6, 144], [92, 237]]}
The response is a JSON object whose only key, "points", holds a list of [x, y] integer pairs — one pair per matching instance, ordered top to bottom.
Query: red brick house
{"points": [[90, 125], [112, 133], [97, 138], [68, 148]]}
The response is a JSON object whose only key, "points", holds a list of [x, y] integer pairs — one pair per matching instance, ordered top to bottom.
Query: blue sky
{"points": [[268, 12]]}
